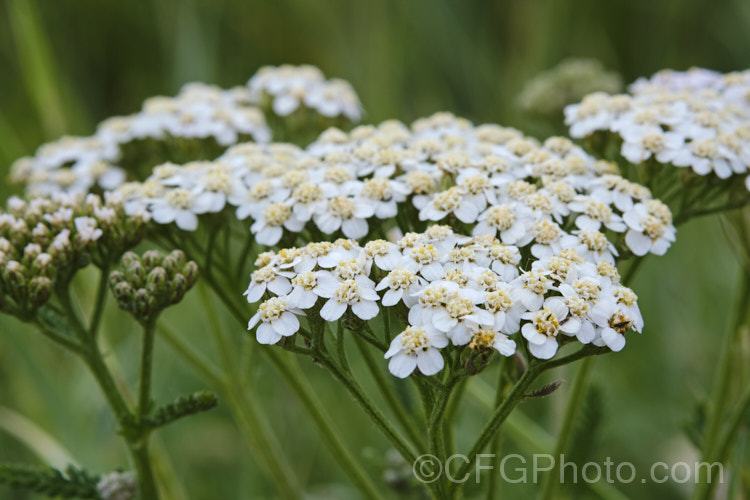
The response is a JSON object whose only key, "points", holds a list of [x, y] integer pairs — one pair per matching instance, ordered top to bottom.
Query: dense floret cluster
{"points": [[697, 119], [485, 179], [447, 289]]}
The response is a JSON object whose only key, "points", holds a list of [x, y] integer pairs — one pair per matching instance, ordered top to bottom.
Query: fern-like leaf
{"points": [[182, 407], [75, 483]]}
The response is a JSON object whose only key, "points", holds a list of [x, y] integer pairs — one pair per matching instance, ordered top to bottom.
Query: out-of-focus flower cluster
{"points": [[287, 89], [550, 91], [698, 119], [81, 164], [485, 179], [43, 242], [144, 286], [446, 289], [118, 486]]}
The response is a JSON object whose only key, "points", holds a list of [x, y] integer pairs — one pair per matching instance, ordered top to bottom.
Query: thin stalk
{"points": [[101, 299], [60, 339], [190, 355], [296, 379], [144, 385], [722, 387], [303, 389], [389, 395], [516, 395], [575, 400], [372, 411], [450, 413], [498, 416], [736, 420], [257, 429], [435, 429], [259, 432], [136, 436], [495, 446], [146, 481]]}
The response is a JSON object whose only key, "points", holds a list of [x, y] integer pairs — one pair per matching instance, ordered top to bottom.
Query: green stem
{"points": [[101, 299], [60, 339], [147, 355], [191, 356], [535, 369], [296, 379], [108, 386], [301, 388], [722, 388], [389, 395], [575, 400], [372, 411], [450, 413], [498, 416], [736, 420], [257, 429], [435, 430], [260, 433], [496, 441], [146, 480]]}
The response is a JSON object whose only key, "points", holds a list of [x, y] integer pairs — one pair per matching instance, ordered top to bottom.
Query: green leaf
{"points": [[184, 405], [75, 483]]}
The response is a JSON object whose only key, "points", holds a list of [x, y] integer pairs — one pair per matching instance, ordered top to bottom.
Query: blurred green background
{"points": [[68, 64]]}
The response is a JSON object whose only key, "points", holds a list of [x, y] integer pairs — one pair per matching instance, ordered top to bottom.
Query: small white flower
{"points": [[447, 202], [345, 214], [276, 216], [650, 228], [270, 278], [402, 284], [360, 296], [277, 320], [545, 324], [487, 338], [414, 348]]}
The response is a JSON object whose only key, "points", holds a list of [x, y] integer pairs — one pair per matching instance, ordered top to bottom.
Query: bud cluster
{"points": [[44, 241], [145, 285]]}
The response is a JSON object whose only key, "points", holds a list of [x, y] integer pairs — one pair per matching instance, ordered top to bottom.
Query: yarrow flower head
{"points": [[461, 304]]}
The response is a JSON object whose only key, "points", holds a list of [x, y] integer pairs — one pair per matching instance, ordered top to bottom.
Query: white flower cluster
{"points": [[733, 87], [290, 88], [198, 111], [698, 119], [76, 165], [493, 180], [450, 289]]}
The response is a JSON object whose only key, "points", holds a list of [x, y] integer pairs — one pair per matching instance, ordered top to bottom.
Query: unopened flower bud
{"points": [[19, 230], [40, 234], [31, 251], [152, 258], [174, 261], [190, 271], [136, 273], [15, 278], [157, 280], [177, 289], [40, 290], [124, 294], [143, 304]]}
